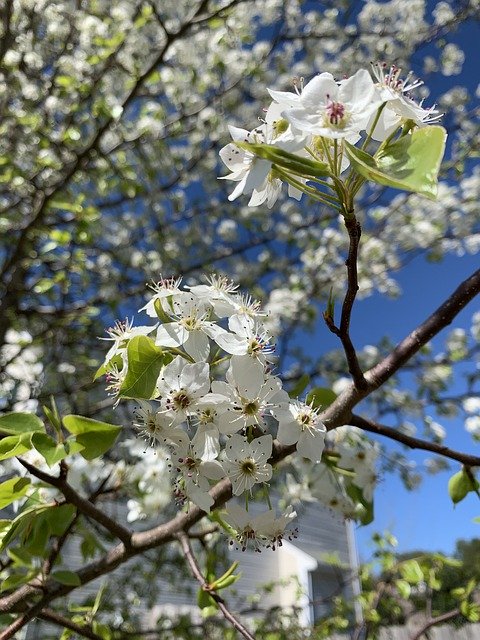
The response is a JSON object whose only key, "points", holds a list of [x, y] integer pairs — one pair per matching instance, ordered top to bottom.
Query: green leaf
{"points": [[288, 161], [411, 163], [116, 361], [145, 361], [299, 386], [321, 397], [15, 423], [95, 437], [15, 445], [51, 450], [460, 485], [12, 489], [59, 518], [22, 523], [38, 534], [20, 557], [411, 571], [67, 577], [14, 580], [403, 588]]}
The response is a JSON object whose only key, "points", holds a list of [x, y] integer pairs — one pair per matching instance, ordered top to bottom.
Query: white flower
{"points": [[395, 91], [335, 110], [249, 171], [254, 174], [163, 291], [218, 293], [190, 329], [121, 333], [248, 337], [181, 386], [250, 396], [471, 405], [299, 423], [472, 425], [156, 426], [356, 457], [246, 462], [196, 463], [248, 528], [274, 528], [262, 530]]}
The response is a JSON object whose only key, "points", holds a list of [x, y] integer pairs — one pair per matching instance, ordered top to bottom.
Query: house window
{"points": [[326, 582]]}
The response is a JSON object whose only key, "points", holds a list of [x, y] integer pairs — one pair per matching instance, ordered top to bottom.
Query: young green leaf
{"points": [[411, 163], [145, 361], [321, 397], [16, 423], [95, 437], [15, 445], [51, 450], [460, 485], [13, 489], [411, 571], [67, 577]]}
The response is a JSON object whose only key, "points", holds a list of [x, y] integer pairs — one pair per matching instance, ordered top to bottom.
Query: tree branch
{"points": [[343, 332], [339, 412], [414, 443], [82, 504], [193, 564], [62, 621], [434, 621]]}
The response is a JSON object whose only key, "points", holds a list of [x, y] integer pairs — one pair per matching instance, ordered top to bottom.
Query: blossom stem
{"points": [[329, 201], [195, 569]]}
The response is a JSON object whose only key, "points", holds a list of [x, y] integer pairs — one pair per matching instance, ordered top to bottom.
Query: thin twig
{"points": [[343, 332], [414, 443], [82, 504], [193, 564], [62, 621], [434, 621]]}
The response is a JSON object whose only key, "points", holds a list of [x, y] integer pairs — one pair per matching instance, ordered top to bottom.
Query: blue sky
{"points": [[424, 518]]}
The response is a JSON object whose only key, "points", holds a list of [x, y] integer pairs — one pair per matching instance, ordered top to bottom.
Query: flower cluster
{"points": [[316, 120], [214, 404]]}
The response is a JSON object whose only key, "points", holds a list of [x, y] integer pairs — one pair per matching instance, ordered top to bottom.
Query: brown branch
{"points": [[439, 319], [343, 332], [339, 412], [414, 443], [82, 504], [193, 564], [52, 616], [434, 621]]}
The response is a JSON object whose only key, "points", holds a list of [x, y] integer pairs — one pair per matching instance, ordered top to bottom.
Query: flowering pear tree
{"points": [[112, 117]]}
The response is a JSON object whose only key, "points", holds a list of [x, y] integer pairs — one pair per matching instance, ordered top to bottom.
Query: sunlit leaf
{"points": [[411, 163], [145, 361], [15, 423], [13, 489]]}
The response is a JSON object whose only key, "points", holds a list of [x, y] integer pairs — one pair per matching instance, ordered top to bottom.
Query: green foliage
{"points": [[288, 161], [410, 163], [145, 361], [321, 397], [19, 423], [94, 437], [461, 484], [13, 489], [36, 524], [66, 577]]}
